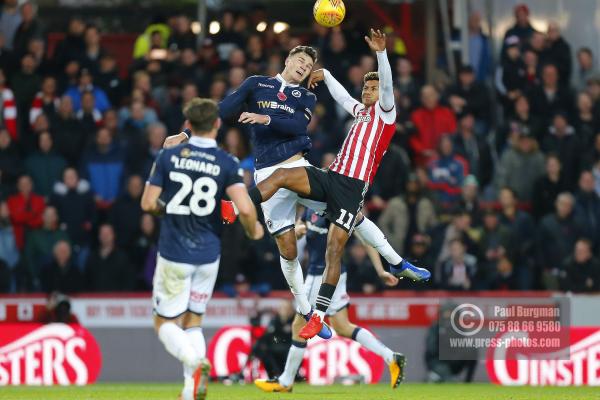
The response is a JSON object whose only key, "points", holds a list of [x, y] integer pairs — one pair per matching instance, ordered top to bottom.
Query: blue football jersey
{"points": [[290, 108], [194, 177], [317, 228]]}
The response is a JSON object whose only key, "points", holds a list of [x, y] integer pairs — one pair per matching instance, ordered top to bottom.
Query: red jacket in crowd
{"points": [[430, 126], [25, 213]]}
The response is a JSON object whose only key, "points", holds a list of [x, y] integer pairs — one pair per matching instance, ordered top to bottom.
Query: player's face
{"points": [[298, 67], [370, 92]]}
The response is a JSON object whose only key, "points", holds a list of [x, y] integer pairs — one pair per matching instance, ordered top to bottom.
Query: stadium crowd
{"points": [[492, 181]]}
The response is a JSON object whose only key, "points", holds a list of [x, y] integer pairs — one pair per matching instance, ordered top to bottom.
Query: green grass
{"points": [[337, 392]]}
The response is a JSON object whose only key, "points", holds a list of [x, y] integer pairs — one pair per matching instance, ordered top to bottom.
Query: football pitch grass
{"points": [[410, 391]]}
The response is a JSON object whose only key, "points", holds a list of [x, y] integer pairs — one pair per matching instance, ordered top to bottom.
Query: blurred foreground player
{"points": [[187, 183], [344, 185], [316, 228]]}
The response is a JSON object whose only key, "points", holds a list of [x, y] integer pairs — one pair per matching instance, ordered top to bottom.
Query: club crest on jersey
{"points": [[296, 93], [281, 96], [185, 152], [269, 223]]}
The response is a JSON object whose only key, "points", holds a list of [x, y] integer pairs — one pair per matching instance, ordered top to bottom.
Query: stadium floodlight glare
{"points": [[261, 26], [196, 27], [214, 27], [279, 27]]}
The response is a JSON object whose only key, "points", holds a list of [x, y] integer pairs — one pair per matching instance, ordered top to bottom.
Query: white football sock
{"points": [[374, 237], [292, 270], [196, 337], [366, 338], [178, 344], [292, 364]]}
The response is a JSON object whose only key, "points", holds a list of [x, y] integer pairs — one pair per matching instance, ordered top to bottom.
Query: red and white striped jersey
{"points": [[8, 112], [366, 143]]}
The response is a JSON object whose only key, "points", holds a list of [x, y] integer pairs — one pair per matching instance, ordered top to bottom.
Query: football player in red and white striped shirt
{"points": [[344, 185]]}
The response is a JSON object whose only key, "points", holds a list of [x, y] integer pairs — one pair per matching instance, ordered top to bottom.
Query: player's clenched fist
{"points": [[315, 77], [253, 118], [174, 140]]}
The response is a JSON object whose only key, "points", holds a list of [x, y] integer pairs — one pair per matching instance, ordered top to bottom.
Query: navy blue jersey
{"points": [[290, 108], [194, 177], [317, 228]]}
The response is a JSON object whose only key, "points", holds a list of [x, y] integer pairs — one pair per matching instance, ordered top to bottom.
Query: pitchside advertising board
{"points": [[35, 354]]}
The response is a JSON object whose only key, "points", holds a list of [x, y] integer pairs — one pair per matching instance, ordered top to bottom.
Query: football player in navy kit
{"points": [[187, 183], [315, 228]]}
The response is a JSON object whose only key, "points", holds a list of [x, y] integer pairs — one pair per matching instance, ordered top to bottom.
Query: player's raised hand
{"points": [[377, 40], [316, 76], [253, 118], [174, 140], [388, 279]]}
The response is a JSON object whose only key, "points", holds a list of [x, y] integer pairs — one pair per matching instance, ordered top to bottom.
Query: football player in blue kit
{"points": [[279, 110], [187, 183], [315, 229]]}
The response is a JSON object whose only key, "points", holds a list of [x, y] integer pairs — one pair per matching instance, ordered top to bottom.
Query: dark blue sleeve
{"points": [[231, 104], [295, 124], [157, 173], [235, 174], [304, 216]]}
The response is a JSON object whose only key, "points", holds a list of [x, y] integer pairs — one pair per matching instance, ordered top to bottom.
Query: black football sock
{"points": [[255, 196], [324, 297]]}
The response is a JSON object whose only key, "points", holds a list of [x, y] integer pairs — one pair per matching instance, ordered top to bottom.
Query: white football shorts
{"points": [[280, 210], [180, 287], [340, 299]]}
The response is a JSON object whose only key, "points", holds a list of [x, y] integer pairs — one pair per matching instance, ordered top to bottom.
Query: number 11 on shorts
{"points": [[340, 220]]}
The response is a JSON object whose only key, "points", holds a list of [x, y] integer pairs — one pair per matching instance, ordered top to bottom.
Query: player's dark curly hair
{"points": [[309, 51], [371, 76]]}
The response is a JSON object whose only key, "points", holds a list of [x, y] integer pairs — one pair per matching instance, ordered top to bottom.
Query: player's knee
{"points": [[280, 176]]}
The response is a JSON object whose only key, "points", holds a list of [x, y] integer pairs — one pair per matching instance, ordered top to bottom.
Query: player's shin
{"points": [[374, 237], [292, 271], [196, 337], [366, 338], [178, 344], [292, 363]]}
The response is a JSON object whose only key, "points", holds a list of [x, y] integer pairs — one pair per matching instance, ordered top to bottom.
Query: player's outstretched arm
{"points": [[377, 43], [337, 91], [247, 212], [387, 278]]}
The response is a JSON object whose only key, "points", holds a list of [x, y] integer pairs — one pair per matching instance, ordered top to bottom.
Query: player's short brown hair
{"points": [[309, 51], [371, 76], [202, 114]]}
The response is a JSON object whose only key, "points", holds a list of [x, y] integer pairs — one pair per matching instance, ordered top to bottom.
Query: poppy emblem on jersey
{"points": [[296, 93], [281, 96], [185, 152], [314, 218]]}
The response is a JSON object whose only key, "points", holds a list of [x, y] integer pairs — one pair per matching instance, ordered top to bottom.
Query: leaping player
{"points": [[187, 183], [344, 185], [316, 228]]}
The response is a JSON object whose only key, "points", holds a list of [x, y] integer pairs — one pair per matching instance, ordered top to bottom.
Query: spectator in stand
{"points": [[10, 19], [522, 27], [28, 29], [182, 36], [227, 38], [537, 44], [72, 46], [37, 48], [93, 50], [558, 52], [480, 53], [255, 54], [337, 55], [7, 58], [586, 68], [532, 69], [186, 70], [511, 76], [107, 78], [25, 83], [406, 83], [86, 84], [468, 95], [550, 97], [45, 101], [8, 106], [89, 116], [173, 116], [135, 118], [522, 121], [431, 122], [586, 123], [68, 132], [563, 141], [236, 143], [474, 149], [141, 158], [10, 163], [45, 166], [520, 166], [103, 167], [446, 174], [391, 176], [547, 187], [469, 200], [587, 208], [26, 209], [76, 209], [126, 213], [407, 215], [459, 227], [557, 233], [494, 244], [39, 245], [419, 250], [143, 251], [9, 254], [108, 268], [581, 271], [458, 272], [61, 274], [361, 274], [506, 277]]}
